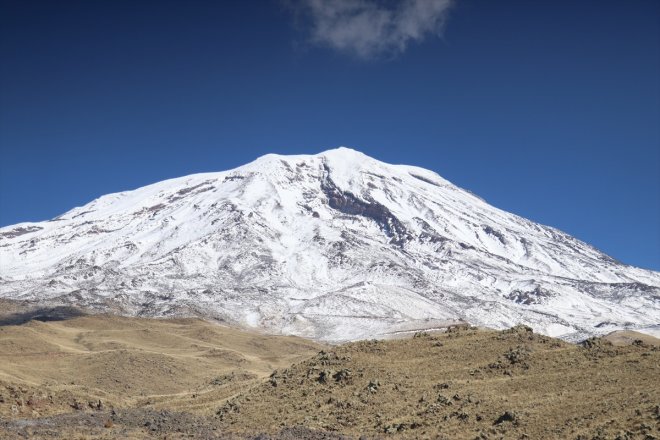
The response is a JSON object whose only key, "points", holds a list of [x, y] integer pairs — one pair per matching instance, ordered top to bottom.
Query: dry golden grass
{"points": [[627, 337], [132, 362], [110, 377], [464, 384]]}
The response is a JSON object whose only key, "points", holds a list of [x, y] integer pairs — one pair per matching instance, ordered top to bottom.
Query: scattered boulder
{"points": [[595, 342], [325, 376], [342, 376], [373, 386], [443, 400], [508, 416]]}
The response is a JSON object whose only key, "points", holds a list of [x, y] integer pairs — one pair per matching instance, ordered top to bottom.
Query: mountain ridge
{"points": [[332, 246]]}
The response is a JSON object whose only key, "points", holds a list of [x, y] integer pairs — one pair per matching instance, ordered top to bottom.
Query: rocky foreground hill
{"points": [[107, 377]]}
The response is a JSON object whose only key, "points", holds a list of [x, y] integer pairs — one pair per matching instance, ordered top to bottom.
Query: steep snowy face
{"points": [[333, 246]]}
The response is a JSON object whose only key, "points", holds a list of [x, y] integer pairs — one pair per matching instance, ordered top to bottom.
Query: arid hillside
{"points": [[99, 362], [109, 377], [464, 384]]}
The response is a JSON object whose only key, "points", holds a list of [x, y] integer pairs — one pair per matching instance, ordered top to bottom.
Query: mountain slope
{"points": [[332, 246]]}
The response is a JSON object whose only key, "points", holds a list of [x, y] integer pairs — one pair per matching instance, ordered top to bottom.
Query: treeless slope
{"points": [[627, 337], [127, 362], [192, 379], [463, 384]]}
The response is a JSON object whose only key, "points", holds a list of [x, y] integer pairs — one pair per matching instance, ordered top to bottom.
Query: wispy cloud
{"points": [[370, 28]]}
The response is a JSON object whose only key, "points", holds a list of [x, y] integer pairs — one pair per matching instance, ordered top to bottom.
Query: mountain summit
{"points": [[333, 246]]}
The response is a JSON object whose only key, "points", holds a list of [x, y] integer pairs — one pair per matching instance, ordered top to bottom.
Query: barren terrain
{"points": [[110, 377]]}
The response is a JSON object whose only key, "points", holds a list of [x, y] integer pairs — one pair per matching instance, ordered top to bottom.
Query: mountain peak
{"points": [[342, 151], [342, 156]]}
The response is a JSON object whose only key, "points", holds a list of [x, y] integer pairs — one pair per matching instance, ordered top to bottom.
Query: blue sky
{"points": [[548, 109]]}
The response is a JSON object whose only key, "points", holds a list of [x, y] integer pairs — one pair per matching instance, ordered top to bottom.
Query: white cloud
{"points": [[372, 28]]}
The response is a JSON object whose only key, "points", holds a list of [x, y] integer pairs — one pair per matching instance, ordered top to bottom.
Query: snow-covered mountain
{"points": [[333, 246]]}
